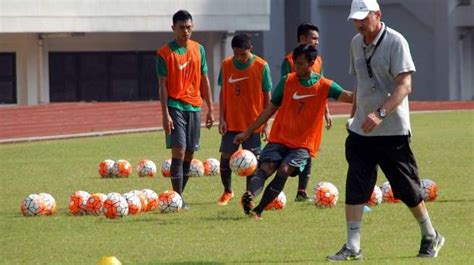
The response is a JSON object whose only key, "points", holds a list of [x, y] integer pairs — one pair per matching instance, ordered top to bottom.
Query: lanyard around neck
{"points": [[367, 60]]}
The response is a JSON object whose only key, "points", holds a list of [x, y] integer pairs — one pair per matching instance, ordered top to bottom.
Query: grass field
{"points": [[211, 234]]}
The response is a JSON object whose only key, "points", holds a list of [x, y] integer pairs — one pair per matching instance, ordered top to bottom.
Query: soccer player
{"points": [[306, 34], [182, 74], [245, 92], [300, 99], [379, 133]]}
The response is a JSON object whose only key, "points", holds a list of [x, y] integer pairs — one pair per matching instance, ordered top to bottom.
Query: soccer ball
{"points": [[243, 163], [212, 167], [106, 168], [122, 168], [146, 168], [166, 168], [196, 169], [429, 190], [387, 193], [325, 195], [375, 197], [152, 198], [143, 199], [78, 202], [95, 202], [170, 202], [49, 203], [134, 203], [278, 203], [32, 205], [115, 206]]}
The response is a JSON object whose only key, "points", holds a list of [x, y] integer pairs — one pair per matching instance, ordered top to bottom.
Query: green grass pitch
{"points": [[211, 234]]}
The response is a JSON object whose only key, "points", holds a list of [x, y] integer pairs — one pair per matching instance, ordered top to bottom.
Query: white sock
{"points": [[426, 227], [353, 235]]}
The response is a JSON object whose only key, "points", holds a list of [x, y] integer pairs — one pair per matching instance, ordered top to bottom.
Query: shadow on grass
{"points": [[453, 201], [225, 216], [413, 258], [266, 261], [305, 261], [188, 262]]}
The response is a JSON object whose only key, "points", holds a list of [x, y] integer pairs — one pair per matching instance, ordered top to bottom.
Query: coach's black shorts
{"points": [[187, 129], [253, 143], [281, 154], [395, 158]]}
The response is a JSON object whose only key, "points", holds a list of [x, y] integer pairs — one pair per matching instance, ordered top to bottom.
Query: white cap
{"points": [[361, 8]]}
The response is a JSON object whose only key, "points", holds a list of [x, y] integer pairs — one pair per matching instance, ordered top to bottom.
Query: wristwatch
{"points": [[382, 113]]}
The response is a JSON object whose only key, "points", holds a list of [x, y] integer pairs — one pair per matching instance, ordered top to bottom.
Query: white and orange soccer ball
{"points": [[243, 163], [212, 167], [106, 168], [122, 168], [146, 168], [166, 168], [196, 168], [429, 190], [387, 193], [325, 195], [376, 197], [152, 198], [143, 199], [95, 202], [170, 202], [49, 203], [78, 203], [134, 203], [278, 203], [32, 205], [115, 206]]}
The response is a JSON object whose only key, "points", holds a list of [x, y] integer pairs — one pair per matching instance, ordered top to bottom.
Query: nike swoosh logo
{"points": [[182, 66], [231, 80], [297, 97]]}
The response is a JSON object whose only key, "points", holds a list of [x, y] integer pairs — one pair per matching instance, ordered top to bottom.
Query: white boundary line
{"points": [[139, 130]]}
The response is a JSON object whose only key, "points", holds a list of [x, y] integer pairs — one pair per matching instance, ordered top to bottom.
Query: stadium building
{"points": [[89, 50]]}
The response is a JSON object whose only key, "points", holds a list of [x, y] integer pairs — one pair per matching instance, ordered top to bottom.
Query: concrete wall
{"points": [[130, 16], [439, 33], [33, 80]]}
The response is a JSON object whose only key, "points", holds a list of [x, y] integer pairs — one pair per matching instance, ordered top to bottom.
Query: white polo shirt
{"points": [[391, 58]]}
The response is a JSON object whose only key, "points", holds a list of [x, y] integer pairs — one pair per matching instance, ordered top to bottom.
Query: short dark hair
{"points": [[181, 15], [305, 28], [242, 41], [309, 51]]}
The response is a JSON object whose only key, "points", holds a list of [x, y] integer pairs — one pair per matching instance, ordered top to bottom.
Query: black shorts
{"points": [[187, 129], [253, 143], [280, 154], [395, 158]]}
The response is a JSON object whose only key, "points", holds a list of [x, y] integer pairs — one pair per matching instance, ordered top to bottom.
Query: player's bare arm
{"points": [[400, 91], [206, 95], [346, 96], [266, 102], [354, 103], [354, 107], [327, 117], [261, 119], [167, 120], [222, 123]]}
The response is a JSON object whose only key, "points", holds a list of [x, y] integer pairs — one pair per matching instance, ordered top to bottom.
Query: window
{"points": [[102, 76], [7, 78]]}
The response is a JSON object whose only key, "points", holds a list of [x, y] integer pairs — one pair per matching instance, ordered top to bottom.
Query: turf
{"points": [[211, 234]]}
